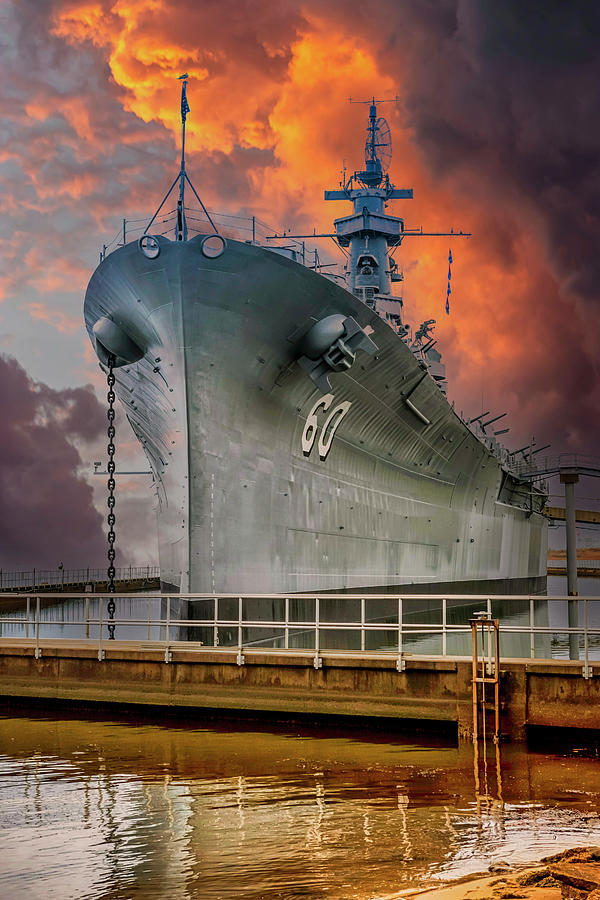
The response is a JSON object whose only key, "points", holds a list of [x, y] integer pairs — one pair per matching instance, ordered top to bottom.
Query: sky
{"points": [[496, 127]]}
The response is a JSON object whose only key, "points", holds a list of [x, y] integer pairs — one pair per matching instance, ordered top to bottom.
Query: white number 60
{"points": [[329, 428]]}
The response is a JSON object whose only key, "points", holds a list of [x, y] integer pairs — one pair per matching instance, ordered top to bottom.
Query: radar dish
{"points": [[383, 143], [378, 150]]}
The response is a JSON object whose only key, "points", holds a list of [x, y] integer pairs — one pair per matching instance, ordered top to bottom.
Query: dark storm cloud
{"points": [[510, 93], [514, 96], [499, 99], [503, 100], [69, 150], [74, 159], [70, 160], [230, 172], [47, 512]]}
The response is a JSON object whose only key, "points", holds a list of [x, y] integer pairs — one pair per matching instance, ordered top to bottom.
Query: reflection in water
{"points": [[488, 796], [98, 809]]}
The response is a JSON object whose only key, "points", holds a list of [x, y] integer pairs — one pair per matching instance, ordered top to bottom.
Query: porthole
{"points": [[213, 245], [149, 246]]}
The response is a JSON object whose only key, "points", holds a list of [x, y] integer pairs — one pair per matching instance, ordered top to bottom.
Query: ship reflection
{"points": [[246, 811]]}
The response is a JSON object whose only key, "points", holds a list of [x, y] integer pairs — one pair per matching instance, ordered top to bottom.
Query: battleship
{"points": [[299, 433]]}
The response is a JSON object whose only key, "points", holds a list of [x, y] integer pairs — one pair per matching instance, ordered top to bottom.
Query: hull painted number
{"points": [[329, 427]]}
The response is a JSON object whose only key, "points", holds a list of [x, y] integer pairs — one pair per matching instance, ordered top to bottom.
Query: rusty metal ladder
{"points": [[486, 671]]}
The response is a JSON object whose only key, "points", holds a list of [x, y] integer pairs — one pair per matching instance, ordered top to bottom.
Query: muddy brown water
{"points": [[104, 808]]}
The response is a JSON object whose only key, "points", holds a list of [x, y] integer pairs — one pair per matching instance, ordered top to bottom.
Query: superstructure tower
{"points": [[370, 232]]}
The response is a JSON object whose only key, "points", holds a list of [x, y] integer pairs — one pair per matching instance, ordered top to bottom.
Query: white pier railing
{"points": [[531, 627]]}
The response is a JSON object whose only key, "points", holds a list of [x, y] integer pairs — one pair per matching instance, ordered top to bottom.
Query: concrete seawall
{"points": [[533, 693]]}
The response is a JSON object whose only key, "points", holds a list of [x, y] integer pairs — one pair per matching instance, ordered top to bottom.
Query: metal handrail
{"points": [[552, 464], [34, 578], [306, 595], [167, 625]]}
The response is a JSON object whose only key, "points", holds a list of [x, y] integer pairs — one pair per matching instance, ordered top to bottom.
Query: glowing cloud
{"points": [[494, 130]]}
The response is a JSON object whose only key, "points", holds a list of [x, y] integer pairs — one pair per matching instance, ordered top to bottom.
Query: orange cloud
{"points": [[81, 22], [149, 46], [270, 127], [55, 317]]}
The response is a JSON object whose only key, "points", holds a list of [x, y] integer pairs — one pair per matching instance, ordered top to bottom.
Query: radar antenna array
{"points": [[379, 144]]}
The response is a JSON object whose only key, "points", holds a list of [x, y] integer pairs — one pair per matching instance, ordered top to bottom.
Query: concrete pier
{"points": [[428, 690]]}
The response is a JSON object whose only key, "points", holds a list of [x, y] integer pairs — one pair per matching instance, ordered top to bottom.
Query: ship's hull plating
{"points": [[396, 498]]}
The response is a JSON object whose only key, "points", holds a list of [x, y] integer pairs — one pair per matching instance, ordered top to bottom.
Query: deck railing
{"points": [[251, 229], [544, 466], [37, 578], [366, 625]]}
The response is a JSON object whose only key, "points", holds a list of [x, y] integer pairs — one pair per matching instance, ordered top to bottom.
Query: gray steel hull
{"points": [[220, 406]]}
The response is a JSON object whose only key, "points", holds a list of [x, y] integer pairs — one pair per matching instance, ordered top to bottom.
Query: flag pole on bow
{"points": [[181, 226]]}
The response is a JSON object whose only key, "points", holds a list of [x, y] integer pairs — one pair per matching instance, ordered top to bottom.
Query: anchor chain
{"points": [[110, 380]]}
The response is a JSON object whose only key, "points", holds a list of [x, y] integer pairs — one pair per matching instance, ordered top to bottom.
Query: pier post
{"points": [[570, 480]]}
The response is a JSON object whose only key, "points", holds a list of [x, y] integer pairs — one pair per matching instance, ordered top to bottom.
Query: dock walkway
{"points": [[234, 670]]}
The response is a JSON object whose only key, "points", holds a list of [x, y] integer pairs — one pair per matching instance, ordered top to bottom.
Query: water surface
{"points": [[98, 809]]}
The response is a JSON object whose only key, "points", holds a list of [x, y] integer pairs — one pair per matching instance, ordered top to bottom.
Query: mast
{"points": [[374, 172], [181, 231], [370, 232], [369, 236]]}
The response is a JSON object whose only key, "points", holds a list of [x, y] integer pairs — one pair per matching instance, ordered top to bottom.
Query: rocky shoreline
{"points": [[571, 875]]}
